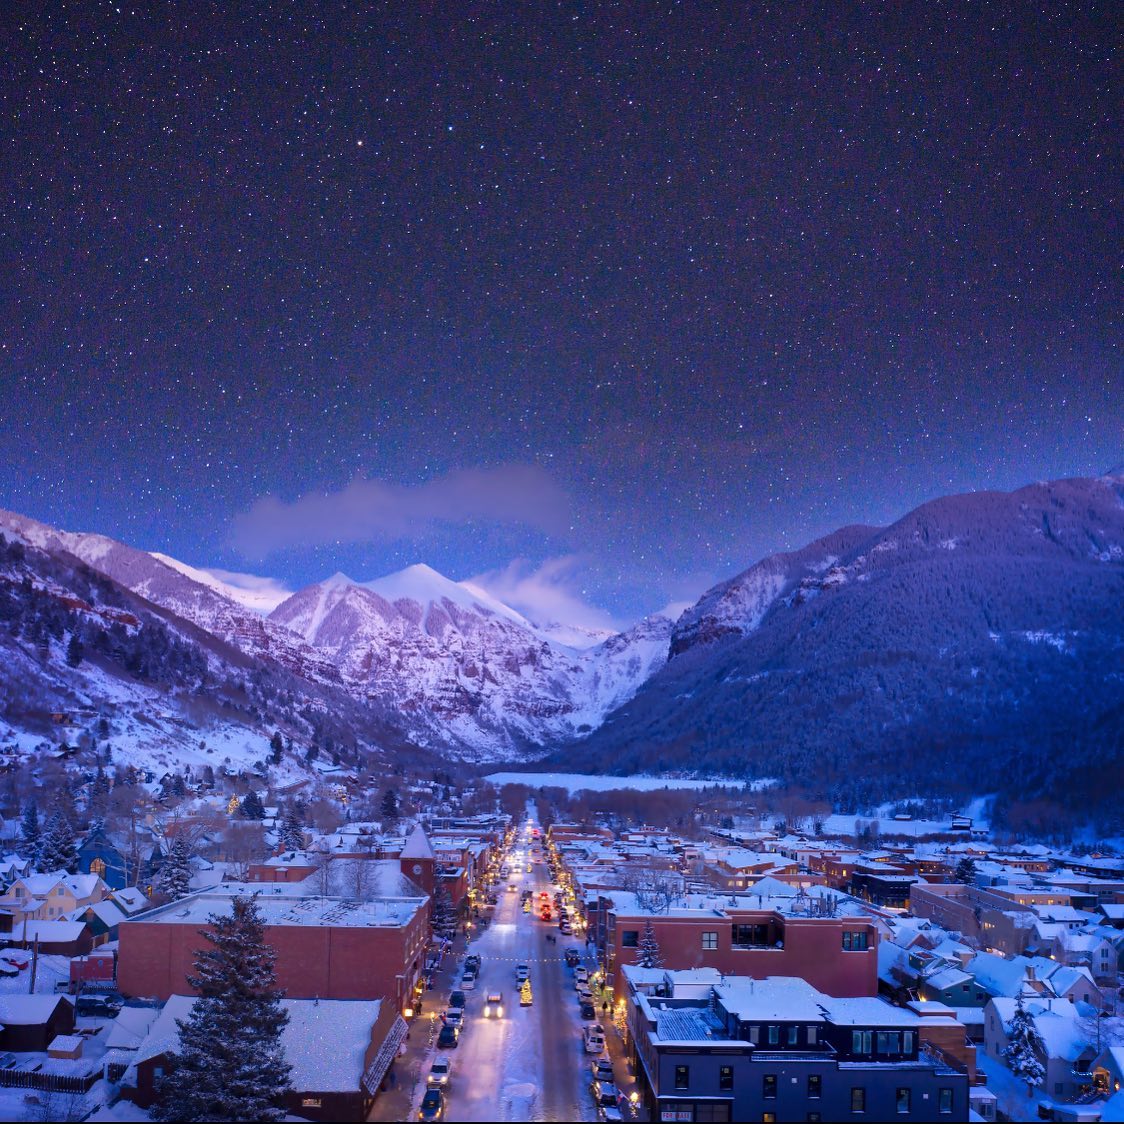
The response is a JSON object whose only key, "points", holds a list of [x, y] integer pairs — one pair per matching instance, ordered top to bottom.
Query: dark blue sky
{"points": [[646, 289]]}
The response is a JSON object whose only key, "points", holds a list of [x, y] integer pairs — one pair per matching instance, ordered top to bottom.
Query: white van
{"points": [[594, 1039]]}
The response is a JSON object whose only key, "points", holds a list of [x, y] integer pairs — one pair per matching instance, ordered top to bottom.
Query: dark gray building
{"points": [[778, 1049]]}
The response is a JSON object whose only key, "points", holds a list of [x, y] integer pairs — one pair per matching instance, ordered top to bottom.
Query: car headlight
{"points": [[499, 1012]]}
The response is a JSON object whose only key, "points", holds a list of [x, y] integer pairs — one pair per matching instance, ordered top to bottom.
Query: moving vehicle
{"points": [[511, 887], [573, 957], [472, 963], [522, 972], [468, 980], [457, 999], [493, 1005], [447, 1037], [439, 1072], [432, 1106]]}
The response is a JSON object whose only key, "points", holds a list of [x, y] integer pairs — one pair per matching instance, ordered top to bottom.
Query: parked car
{"points": [[15, 957], [573, 957], [472, 963], [8, 970], [581, 975], [584, 994], [457, 999], [493, 1005], [97, 1006], [588, 1011], [453, 1016], [447, 1037], [594, 1039], [602, 1069], [439, 1072], [605, 1093], [432, 1106]]}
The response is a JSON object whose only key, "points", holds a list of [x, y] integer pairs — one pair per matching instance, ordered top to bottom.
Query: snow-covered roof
{"points": [[418, 846], [785, 998], [27, 1010], [1057, 1021], [130, 1027], [325, 1040]]}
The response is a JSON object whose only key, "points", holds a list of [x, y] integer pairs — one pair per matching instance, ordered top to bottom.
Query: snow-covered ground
{"points": [[576, 782]]}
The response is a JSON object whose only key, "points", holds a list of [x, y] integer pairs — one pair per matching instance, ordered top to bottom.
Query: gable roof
{"points": [[418, 846]]}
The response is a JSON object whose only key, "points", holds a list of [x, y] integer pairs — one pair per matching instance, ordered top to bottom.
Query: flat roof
{"points": [[289, 909]]}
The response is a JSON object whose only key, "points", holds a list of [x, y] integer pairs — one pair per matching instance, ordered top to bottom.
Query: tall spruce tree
{"points": [[251, 807], [388, 807], [31, 831], [291, 836], [58, 849], [966, 870], [174, 878], [648, 953], [1025, 1048], [231, 1064]]}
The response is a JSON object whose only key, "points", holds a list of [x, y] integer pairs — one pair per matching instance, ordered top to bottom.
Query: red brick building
{"points": [[327, 947], [838, 955]]}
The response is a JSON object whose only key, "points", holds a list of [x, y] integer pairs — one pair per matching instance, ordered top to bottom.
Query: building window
{"points": [[97, 867], [630, 938], [709, 941], [855, 941], [755, 1034], [774, 1035], [793, 1035], [907, 1041], [862, 1042], [889, 1042], [157, 1071], [682, 1076], [725, 1078], [769, 1086], [815, 1086], [858, 1099], [902, 1100], [944, 1100], [311, 1102], [813, 1116], [768, 1117]]}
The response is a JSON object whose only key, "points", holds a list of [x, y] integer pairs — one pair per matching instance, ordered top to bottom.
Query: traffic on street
{"points": [[521, 1031]]}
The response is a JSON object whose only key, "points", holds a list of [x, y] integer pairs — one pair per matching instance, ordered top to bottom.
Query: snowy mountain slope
{"points": [[174, 586], [259, 595], [978, 641], [82, 657], [453, 667], [462, 668]]}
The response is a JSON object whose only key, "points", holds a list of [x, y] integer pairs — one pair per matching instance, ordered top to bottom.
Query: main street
{"points": [[529, 1064]]}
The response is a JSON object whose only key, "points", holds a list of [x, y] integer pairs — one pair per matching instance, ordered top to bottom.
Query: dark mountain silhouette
{"points": [[977, 645]]}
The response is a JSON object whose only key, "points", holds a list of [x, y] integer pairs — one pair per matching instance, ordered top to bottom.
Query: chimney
{"points": [[1030, 973]]}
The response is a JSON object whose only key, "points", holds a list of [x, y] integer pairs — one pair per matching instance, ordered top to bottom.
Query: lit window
{"points": [[858, 1099], [902, 1100]]}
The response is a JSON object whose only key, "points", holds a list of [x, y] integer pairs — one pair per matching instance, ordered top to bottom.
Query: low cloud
{"points": [[375, 511], [548, 594]]}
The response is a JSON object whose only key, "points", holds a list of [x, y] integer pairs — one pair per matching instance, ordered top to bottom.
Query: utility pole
{"points": [[34, 964]]}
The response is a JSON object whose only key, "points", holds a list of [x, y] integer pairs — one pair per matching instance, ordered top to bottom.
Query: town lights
{"points": [[408, 1012]]}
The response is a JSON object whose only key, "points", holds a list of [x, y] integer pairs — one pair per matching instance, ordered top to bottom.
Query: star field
{"points": [[729, 278]]}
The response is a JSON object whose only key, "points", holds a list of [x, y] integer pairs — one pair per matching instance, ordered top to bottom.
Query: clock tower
{"points": [[417, 860]]}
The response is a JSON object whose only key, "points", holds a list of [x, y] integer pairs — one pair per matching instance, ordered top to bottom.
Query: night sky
{"points": [[606, 302]]}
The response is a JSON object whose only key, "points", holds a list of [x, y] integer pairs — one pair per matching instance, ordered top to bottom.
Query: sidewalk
{"points": [[406, 1081]]}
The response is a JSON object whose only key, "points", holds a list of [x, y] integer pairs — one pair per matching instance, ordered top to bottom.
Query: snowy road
{"points": [[529, 1065]]}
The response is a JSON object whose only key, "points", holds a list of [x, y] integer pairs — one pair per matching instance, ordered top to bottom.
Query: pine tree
{"points": [[74, 651], [276, 746], [99, 794], [251, 807], [388, 808], [31, 833], [291, 837], [57, 848], [966, 870], [174, 879], [648, 953], [1025, 1048], [231, 1064]]}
